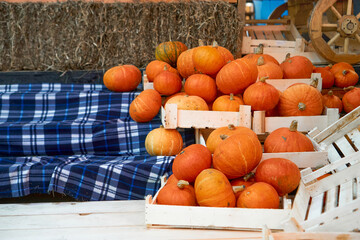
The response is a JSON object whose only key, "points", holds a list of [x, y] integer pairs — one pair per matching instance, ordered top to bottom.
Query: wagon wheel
{"points": [[279, 11], [337, 39]]}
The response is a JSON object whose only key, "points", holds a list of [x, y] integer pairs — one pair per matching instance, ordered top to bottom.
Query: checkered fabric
{"points": [[78, 140]]}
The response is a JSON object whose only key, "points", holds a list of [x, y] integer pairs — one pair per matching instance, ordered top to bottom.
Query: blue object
{"points": [[263, 8]]}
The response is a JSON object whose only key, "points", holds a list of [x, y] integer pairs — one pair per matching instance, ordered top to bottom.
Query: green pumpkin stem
{"points": [[201, 43], [259, 49], [260, 61], [344, 72], [263, 79], [348, 88], [330, 93], [231, 96], [301, 106], [231, 126], [294, 126], [223, 136], [248, 176], [182, 183]]}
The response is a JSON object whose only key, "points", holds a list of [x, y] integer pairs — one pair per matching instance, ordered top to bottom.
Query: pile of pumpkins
{"points": [[227, 172]]}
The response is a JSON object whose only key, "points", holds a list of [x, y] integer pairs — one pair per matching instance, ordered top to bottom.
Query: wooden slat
{"points": [[259, 34], [269, 35], [346, 193], [331, 199], [315, 206]]}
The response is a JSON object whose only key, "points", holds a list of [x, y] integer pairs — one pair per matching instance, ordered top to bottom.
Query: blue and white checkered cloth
{"points": [[78, 140]]}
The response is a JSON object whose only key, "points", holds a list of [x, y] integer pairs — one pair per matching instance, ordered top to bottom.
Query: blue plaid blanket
{"points": [[78, 140]]}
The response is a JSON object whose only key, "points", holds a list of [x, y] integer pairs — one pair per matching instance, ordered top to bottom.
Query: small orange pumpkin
{"points": [[259, 52], [208, 60], [185, 63], [340, 66], [155, 67], [297, 67], [269, 69], [326, 75], [123, 78], [346, 78], [167, 83], [201, 85], [351, 99], [300, 100], [332, 101], [186, 102], [228, 103], [145, 106], [221, 133], [287, 140], [163, 142], [237, 155], [191, 161], [281, 173], [245, 181], [213, 189], [180, 193], [259, 195]]}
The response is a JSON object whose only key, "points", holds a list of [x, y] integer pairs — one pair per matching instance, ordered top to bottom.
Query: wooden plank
{"points": [[268, 28], [259, 34], [269, 35], [279, 35], [278, 45], [283, 84], [354, 137], [346, 193], [331, 199], [315, 207], [300, 208], [316, 235]]}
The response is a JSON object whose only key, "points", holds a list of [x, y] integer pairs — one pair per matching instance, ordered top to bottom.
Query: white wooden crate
{"points": [[331, 203], [170, 216]]}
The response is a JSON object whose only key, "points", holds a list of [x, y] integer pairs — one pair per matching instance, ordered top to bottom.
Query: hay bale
{"points": [[76, 35]]}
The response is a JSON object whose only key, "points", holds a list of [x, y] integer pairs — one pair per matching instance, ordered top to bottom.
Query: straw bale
{"points": [[76, 35]]}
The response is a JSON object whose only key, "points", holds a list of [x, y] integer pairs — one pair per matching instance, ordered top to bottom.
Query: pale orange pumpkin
{"points": [[224, 52], [297, 67], [122, 78], [201, 85], [261, 96], [300, 100], [332, 101], [186, 102], [228, 103], [145, 106], [220, 134], [287, 139], [163, 142], [237, 155], [191, 161], [244, 182], [213, 189], [180, 193], [259, 195]]}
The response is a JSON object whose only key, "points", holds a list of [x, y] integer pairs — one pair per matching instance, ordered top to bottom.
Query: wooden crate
{"points": [[278, 40], [331, 203], [214, 217]]}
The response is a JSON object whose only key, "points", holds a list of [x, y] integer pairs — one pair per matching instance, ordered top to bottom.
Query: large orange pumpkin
{"points": [[170, 51], [224, 52], [259, 52], [208, 60], [185, 63], [340, 66], [155, 67], [297, 67], [269, 69], [326, 75], [236, 76], [123, 78], [167, 83], [201, 85], [261, 96], [351, 99], [300, 100], [332, 101], [186, 102], [228, 103], [145, 106], [221, 133], [287, 140], [163, 142], [237, 155], [191, 161], [281, 173], [213, 189], [180, 193], [259, 195]]}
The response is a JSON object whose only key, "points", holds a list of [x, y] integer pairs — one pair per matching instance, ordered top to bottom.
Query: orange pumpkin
{"points": [[169, 51], [224, 52], [259, 52], [207, 60], [185, 63], [340, 66], [155, 67], [297, 67], [269, 69], [326, 75], [236, 76], [123, 78], [346, 78], [167, 83], [201, 85], [171, 96], [261, 96], [351, 99], [300, 100], [332, 101], [186, 102], [228, 103], [145, 106], [221, 133], [287, 140], [163, 142], [237, 155], [191, 161], [281, 173], [172, 179], [244, 182], [213, 189], [180, 193], [259, 195]]}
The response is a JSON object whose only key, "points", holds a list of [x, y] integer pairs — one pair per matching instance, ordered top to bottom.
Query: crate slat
{"points": [[331, 199], [315, 206]]}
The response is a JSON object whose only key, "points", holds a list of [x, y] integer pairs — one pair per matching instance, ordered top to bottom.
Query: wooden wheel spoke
{"points": [[349, 7], [335, 11], [358, 15], [327, 27], [357, 37], [333, 39], [346, 45]]}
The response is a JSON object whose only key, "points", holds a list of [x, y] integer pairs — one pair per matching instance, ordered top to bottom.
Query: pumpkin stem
{"points": [[201, 42], [215, 44], [259, 49], [287, 56], [260, 61], [165, 67], [345, 72], [263, 79], [314, 82], [349, 88], [330, 93], [231, 96], [301, 106], [294, 126], [231, 127], [223, 136], [248, 176], [182, 183], [237, 189]]}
